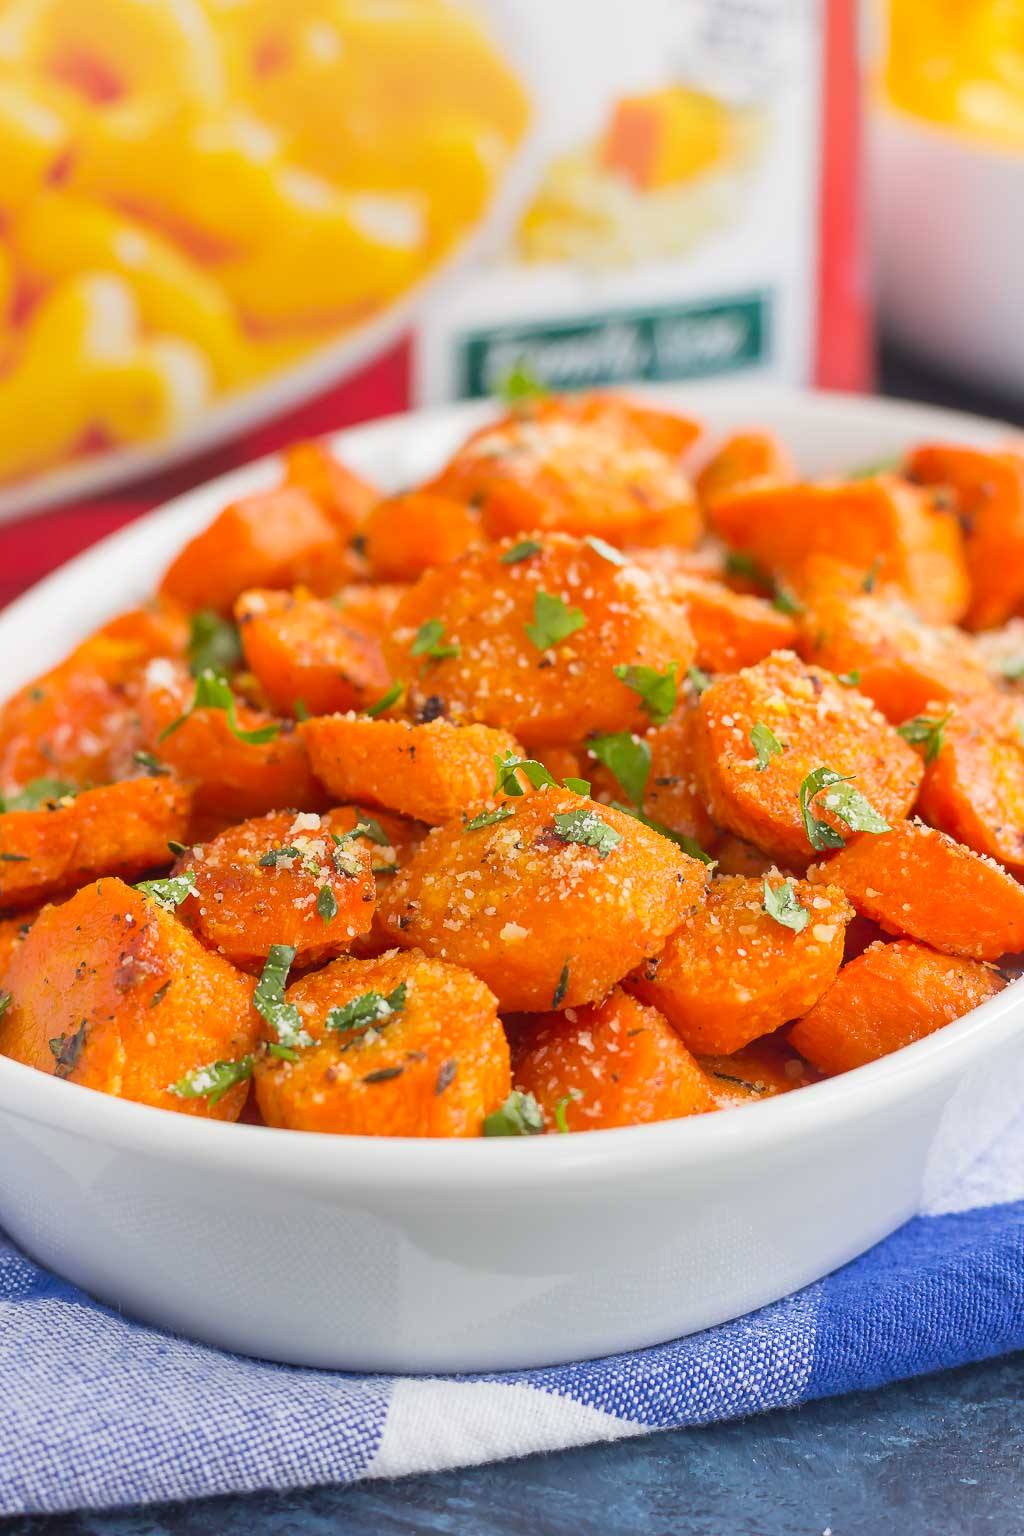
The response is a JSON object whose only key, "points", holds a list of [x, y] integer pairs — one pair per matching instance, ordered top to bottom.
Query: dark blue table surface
{"points": [[941, 1456]]}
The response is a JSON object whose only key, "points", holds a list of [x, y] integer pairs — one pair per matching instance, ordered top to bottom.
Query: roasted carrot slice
{"points": [[744, 460], [338, 491], [988, 491], [881, 524], [407, 535], [278, 538], [732, 629], [527, 636], [306, 651], [765, 738], [431, 772], [974, 787], [118, 829], [279, 879], [917, 882], [549, 897], [732, 972], [109, 990], [890, 996], [403, 1046], [608, 1064], [761, 1070]]}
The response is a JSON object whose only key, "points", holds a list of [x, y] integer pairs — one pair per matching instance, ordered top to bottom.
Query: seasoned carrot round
{"points": [[745, 459], [596, 466], [338, 491], [407, 535], [278, 538], [370, 607], [732, 629], [528, 640], [308, 652], [813, 722], [430, 772], [230, 776], [974, 787], [118, 829], [280, 879], [917, 882], [551, 902], [731, 972], [109, 990], [890, 996], [419, 1052], [608, 1064], [761, 1070]]}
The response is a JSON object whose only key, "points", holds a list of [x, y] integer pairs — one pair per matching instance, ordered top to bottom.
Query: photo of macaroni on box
{"points": [[668, 168], [197, 196]]}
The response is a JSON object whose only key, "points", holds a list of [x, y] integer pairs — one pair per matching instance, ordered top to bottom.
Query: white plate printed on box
{"points": [[407, 1255]]}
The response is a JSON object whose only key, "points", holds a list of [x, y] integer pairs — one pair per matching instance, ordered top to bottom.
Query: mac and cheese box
{"points": [[216, 213]]}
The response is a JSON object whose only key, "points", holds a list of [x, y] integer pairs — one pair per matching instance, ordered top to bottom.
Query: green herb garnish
{"points": [[520, 385], [876, 467], [605, 550], [521, 551], [737, 563], [871, 575], [785, 601], [553, 621], [429, 642], [214, 644], [698, 679], [849, 679], [657, 690], [213, 692], [385, 701], [299, 710], [927, 731], [766, 744], [627, 758], [153, 766], [509, 766], [578, 786], [38, 792], [845, 803], [488, 818], [585, 828], [689, 845], [277, 858], [169, 893], [326, 904], [783, 904], [561, 988], [268, 998], [5, 1003], [368, 1010], [66, 1049], [446, 1075], [213, 1081], [573, 1096], [520, 1115]]}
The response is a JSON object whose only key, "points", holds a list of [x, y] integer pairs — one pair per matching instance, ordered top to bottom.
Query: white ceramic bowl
{"points": [[948, 228], [474, 1255]]}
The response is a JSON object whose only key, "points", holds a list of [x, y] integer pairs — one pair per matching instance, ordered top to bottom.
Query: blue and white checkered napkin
{"points": [[100, 1411]]}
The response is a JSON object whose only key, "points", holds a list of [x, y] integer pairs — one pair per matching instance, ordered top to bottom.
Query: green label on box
{"points": [[678, 341]]}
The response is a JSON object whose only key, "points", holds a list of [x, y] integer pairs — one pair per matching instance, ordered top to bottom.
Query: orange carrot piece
{"points": [[744, 460], [988, 489], [338, 491], [881, 524], [407, 535], [278, 538], [732, 629], [304, 649], [493, 661], [817, 723], [974, 788], [671, 796], [118, 829], [917, 882], [545, 921], [12, 931], [731, 972], [111, 991], [892, 995], [435, 1064], [609, 1064], [761, 1070]]}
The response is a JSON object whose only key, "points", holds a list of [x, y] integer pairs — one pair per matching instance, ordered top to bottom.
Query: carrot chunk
{"points": [[744, 460], [988, 490], [338, 491], [882, 524], [407, 535], [278, 538], [732, 629], [527, 637], [307, 651], [761, 735], [430, 772], [974, 787], [670, 793], [118, 829], [919, 883], [551, 901], [12, 931], [732, 972], [109, 990], [890, 996], [403, 1046], [608, 1064], [761, 1070]]}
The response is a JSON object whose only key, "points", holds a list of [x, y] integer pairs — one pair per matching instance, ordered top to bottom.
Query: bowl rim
{"points": [[407, 1165]]}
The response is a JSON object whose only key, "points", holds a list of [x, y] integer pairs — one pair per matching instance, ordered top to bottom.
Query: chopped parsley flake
{"points": [[520, 385], [605, 550], [521, 551], [737, 563], [871, 575], [784, 601], [553, 621], [429, 642], [214, 644], [698, 679], [849, 679], [657, 690], [213, 692], [385, 701], [299, 710], [927, 731], [766, 744], [627, 758], [153, 766], [509, 766], [578, 786], [38, 792], [845, 803], [488, 818], [369, 826], [586, 829], [689, 845], [177, 848], [275, 858], [170, 892], [326, 903], [783, 904], [562, 987], [268, 998], [5, 1003], [368, 1010], [66, 1049], [383, 1075], [446, 1076], [213, 1081], [572, 1097], [520, 1115]]}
